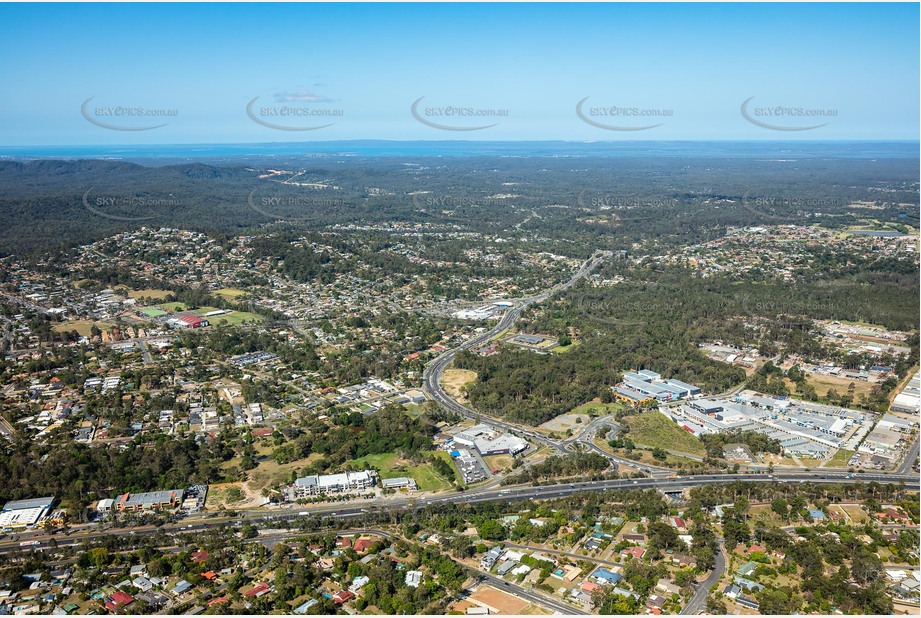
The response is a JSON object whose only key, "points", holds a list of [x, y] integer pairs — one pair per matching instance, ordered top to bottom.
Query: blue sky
{"points": [[696, 64]]}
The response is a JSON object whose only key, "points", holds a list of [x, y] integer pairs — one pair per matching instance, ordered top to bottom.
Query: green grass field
{"points": [[230, 292], [149, 293], [183, 307], [235, 318], [83, 327], [560, 349], [596, 408], [412, 410], [654, 429], [840, 459], [391, 466]]}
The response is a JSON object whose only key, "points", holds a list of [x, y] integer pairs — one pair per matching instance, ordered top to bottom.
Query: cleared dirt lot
{"points": [[454, 379], [566, 421], [496, 599]]}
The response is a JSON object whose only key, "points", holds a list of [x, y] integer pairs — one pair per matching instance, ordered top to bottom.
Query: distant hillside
{"points": [[581, 202]]}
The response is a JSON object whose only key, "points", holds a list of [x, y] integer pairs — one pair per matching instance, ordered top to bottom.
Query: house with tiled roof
{"points": [[362, 545], [635, 552]]}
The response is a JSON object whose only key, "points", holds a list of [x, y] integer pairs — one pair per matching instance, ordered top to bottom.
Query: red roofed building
{"points": [[192, 321], [895, 514], [344, 543], [363, 545], [755, 548], [636, 552], [199, 556], [210, 575], [589, 587], [258, 590], [341, 597], [118, 600], [218, 601]]}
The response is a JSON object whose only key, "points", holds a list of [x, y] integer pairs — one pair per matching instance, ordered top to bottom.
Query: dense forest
{"points": [[48, 204]]}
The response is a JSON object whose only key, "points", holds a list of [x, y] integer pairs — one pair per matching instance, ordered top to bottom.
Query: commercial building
{"points": [[191, 321], [529, 339], [651, 385], [689, 389], [631, 396], [909, 400], [707, 406], [802, 428], [488, 441], [469, 465], [402, 482], [333, 483], [150, 501], [18, 514]]}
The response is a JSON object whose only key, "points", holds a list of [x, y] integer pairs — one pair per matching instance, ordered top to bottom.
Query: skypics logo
{"points": [[294, 111], [633, 114], [781, 115], [124, 117], [454, 118], [425, 200], [610, 201], [269, 205], [794, 206], [118, 207], [623, 207], [789, 309]]}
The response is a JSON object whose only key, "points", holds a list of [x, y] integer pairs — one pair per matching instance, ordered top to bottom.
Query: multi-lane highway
{"points": [[431, 377], [661, 478], [506, 494], [352, 511]]}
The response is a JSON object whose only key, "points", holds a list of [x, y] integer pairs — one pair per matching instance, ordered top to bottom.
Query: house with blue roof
{"points": [[604, 576], [181, 586], [302, 609]]}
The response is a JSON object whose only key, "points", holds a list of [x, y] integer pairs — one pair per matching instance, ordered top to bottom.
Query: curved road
{"points": [[431, 377], [431, 381], [698, 600]]}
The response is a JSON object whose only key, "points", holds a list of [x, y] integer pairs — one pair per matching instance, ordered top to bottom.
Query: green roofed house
{"points": [[153, 312], [747, 569]]}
